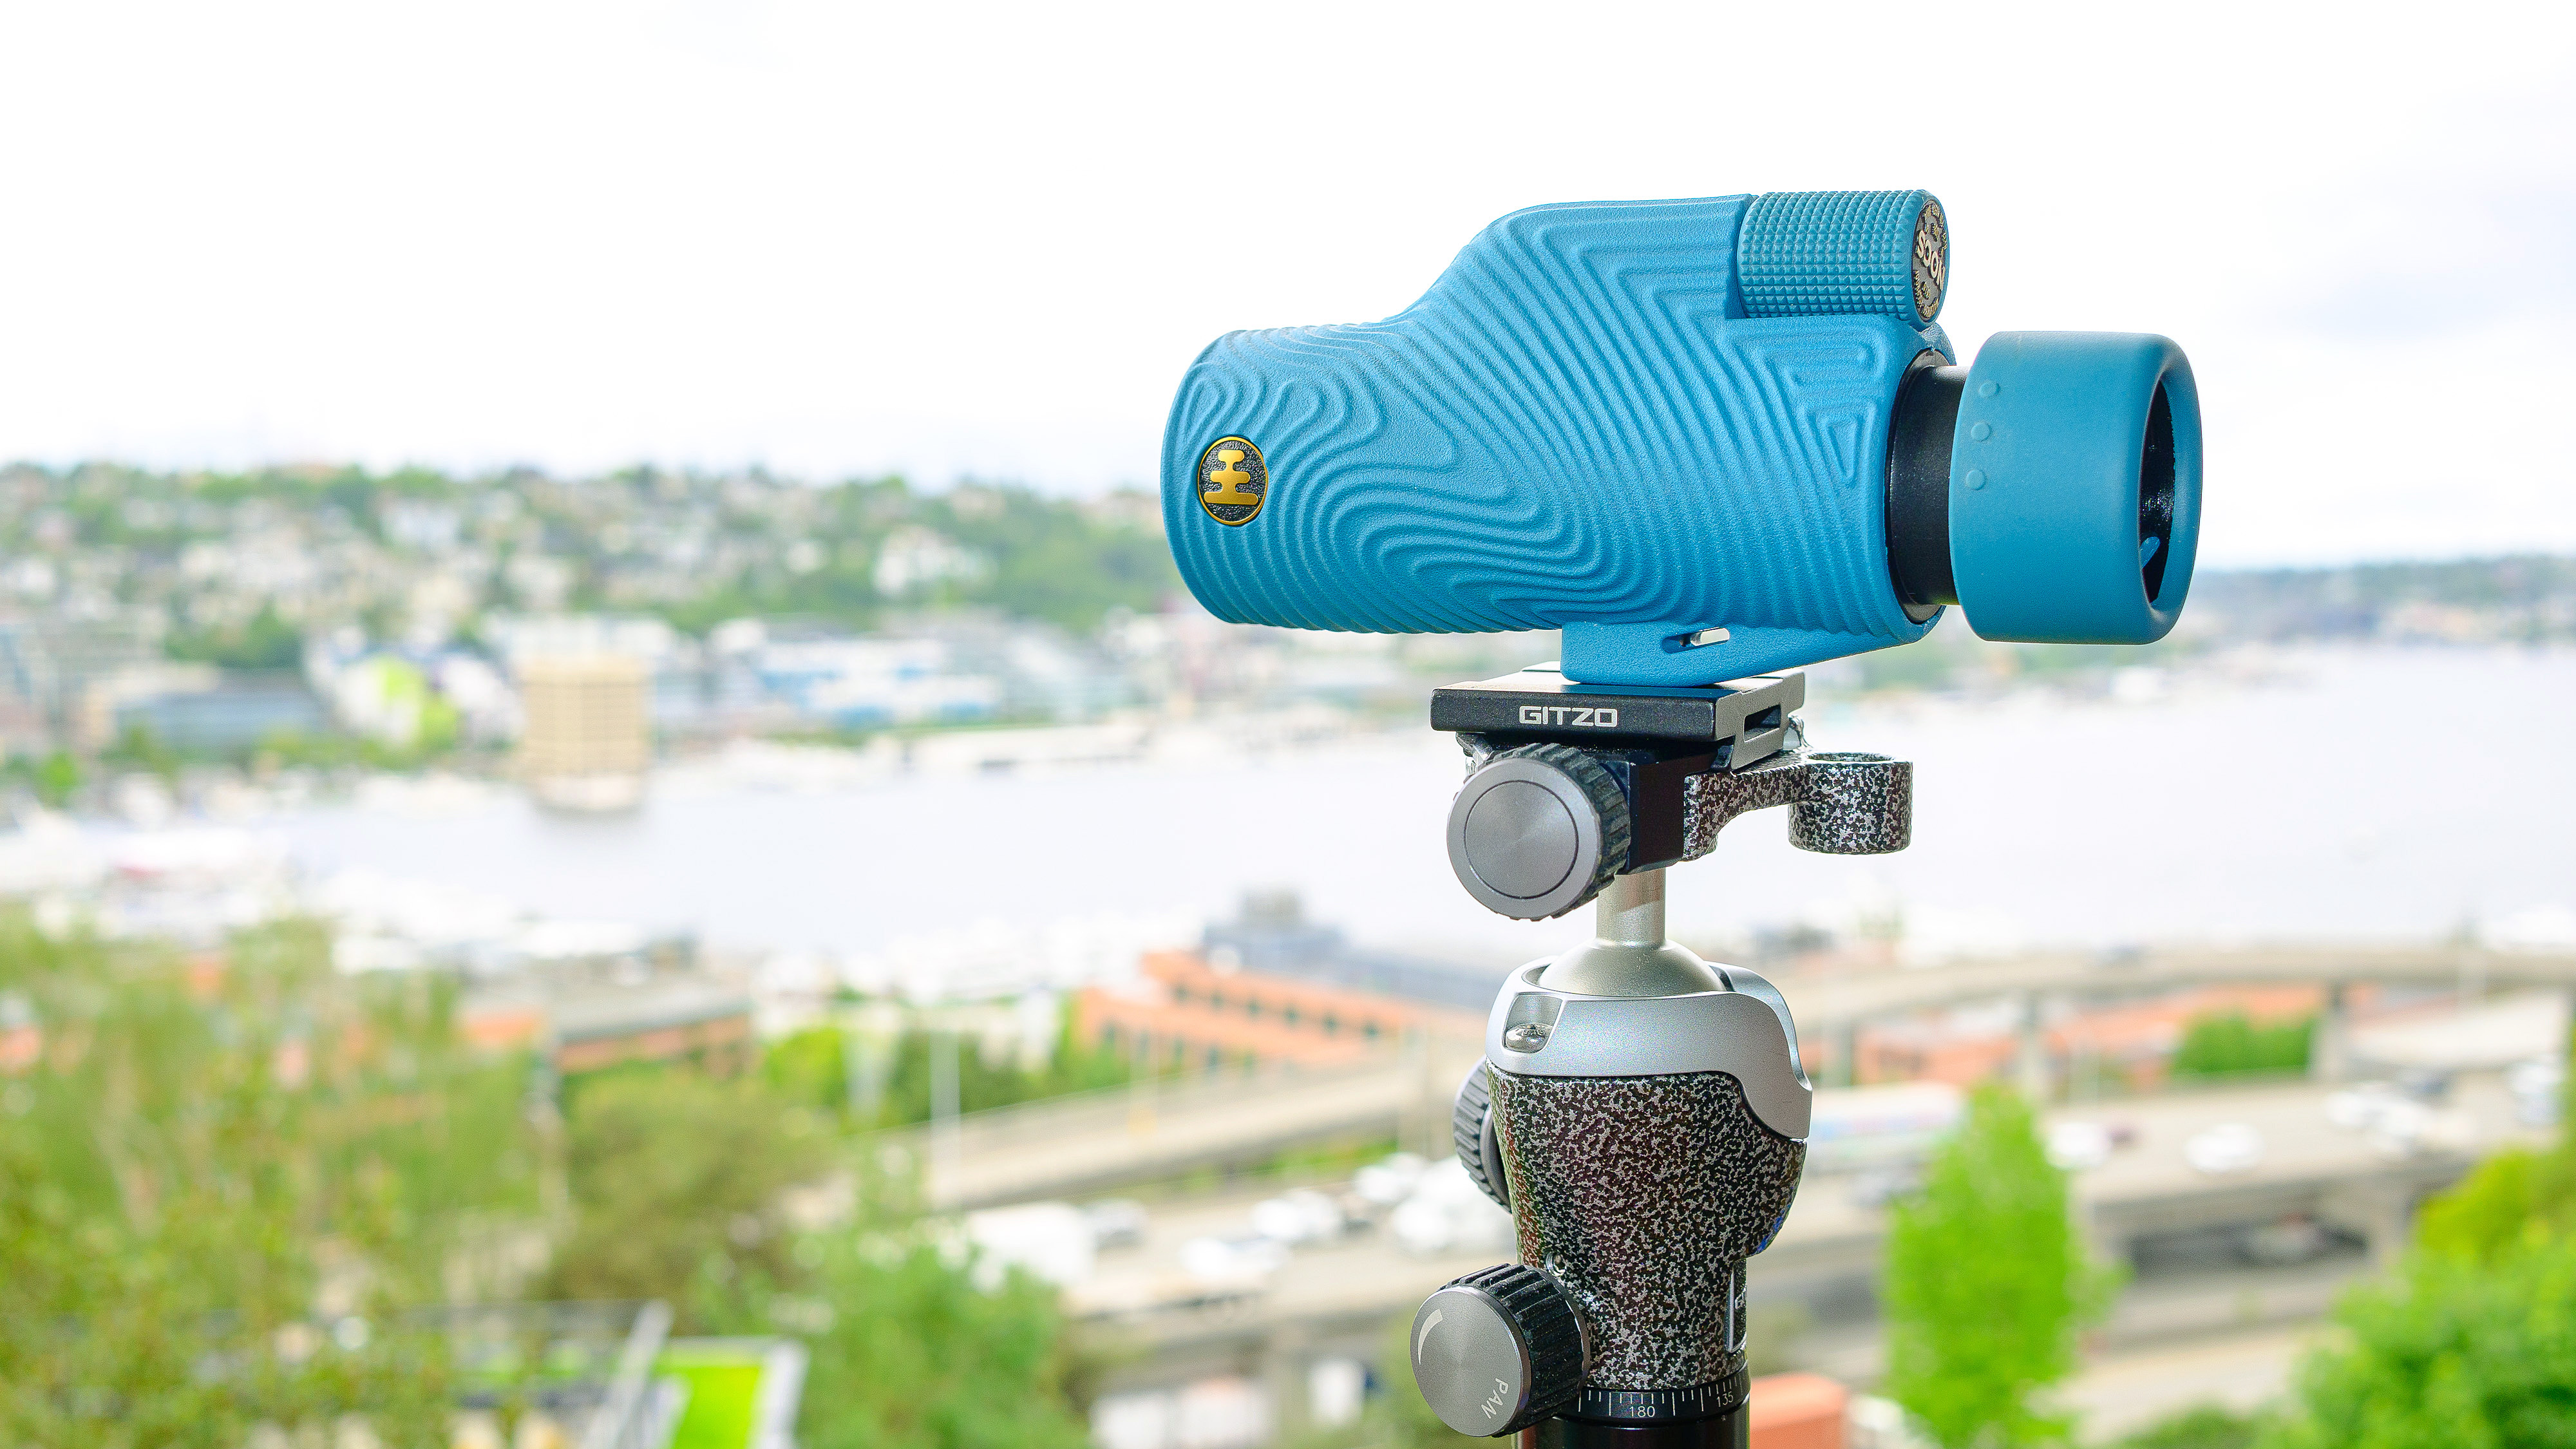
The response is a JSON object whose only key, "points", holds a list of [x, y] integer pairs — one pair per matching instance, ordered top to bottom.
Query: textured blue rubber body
{"points": [[1819, 253], [1577, 427], [2044, 482]]}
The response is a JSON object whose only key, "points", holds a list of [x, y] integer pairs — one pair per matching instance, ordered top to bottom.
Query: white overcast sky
{"points": [[985, 239]]}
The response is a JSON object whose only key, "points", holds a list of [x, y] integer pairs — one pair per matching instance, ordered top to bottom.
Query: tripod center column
{"points": [[1631, 910]]}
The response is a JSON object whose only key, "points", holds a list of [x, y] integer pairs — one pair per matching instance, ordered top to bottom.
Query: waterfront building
{"points": [[589, 735]]}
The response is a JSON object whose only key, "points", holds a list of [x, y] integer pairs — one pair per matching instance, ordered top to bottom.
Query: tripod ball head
{"points": [[1646, 1130]]}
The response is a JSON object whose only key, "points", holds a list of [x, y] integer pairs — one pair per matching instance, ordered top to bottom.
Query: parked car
{"points": [[2539, 1090], [2358, 1108], [2079, 1146], [2225, 1148], [1389, 1180], [1880, 1186], [1448, 1213], [1301, 1215], [1116, 1222], [2293, 1239], [1050, 1240], [1245, 1260]]}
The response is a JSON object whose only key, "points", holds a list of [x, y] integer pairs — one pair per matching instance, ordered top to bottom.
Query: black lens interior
{"points": [[1918, 486], [2156, 494]]}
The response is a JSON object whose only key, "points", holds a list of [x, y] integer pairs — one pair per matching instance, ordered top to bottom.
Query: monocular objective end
{"points": [[2051, 490]]}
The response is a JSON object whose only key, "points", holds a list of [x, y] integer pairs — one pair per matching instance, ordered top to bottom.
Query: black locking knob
{"points": [[1471, 1131]]}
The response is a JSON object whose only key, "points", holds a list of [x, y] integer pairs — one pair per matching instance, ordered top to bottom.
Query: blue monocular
{"points": [[1706, 439]]}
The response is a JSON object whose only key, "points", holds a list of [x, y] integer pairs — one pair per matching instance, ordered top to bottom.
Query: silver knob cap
{"points": [[1537, 831], [1497, 1351]]}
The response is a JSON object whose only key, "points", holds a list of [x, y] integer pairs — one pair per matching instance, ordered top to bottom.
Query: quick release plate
{"points": [[1740, 722]]}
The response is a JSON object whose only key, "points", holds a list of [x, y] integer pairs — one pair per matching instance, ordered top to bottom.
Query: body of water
{"points": [[2320, 794]]}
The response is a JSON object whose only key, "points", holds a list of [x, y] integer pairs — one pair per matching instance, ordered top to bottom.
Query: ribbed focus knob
{"points": [[1866, 253], [1538, 830], [1471, 1131], [1498, 1350]]}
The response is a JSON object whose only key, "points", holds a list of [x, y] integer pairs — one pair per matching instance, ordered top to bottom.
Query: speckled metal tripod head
{"points": [[1649, 1142]]}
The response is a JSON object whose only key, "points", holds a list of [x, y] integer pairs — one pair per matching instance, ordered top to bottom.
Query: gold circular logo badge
{"points": [[1233, 481]]}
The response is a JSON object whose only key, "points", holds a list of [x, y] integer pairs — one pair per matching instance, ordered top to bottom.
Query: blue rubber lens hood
{"points": [[2075, 487]]}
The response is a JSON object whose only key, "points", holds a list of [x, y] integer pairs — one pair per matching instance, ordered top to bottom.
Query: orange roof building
{"points": [[1185, 1011], [2133, 1042], [1797, 1411]]}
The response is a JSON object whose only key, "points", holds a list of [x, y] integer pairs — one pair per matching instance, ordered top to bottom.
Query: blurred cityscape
{"points": [[319, 617], [201, 628], [1178, 1168]]}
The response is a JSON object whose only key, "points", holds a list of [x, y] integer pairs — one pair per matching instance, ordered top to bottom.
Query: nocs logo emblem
{"points": [[1232, 481]]}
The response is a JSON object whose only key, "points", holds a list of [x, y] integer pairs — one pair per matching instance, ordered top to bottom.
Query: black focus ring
{"points": [[1548, 1330], [1664, 1406]]}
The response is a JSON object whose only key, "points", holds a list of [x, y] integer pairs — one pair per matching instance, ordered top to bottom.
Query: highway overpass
{"points": [[1827, 1003], [1166, 1131], [1159, 1132], [1337, 1299]]}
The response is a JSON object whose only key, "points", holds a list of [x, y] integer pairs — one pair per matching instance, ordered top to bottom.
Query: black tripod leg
{"points": [[1730, 1430]]}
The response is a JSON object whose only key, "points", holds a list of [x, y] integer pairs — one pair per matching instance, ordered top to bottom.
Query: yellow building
{"points": [[589, 731]]}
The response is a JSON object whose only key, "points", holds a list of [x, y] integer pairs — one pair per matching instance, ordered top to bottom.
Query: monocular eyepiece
{"points": [[2052, 490]]}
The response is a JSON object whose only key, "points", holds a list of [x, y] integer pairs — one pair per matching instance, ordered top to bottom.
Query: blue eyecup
{"points": [[2048, 541]]}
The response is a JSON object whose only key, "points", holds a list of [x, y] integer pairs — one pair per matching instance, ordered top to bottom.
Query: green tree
{"points": [[1037, 557], [1052, 560], [264, 641], [138, 748], [57, 779], [2225, 1043], [1075, 1066], [809, 1068], [222, 1180], [675, 1182], [2515, 1199], [1987, 1283], [2475, 1342], [2456, 1352], [917, 1356], [2205, 1427]]}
